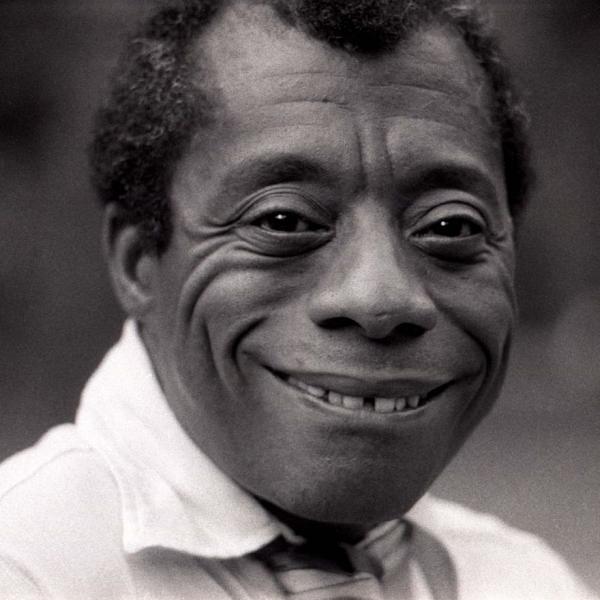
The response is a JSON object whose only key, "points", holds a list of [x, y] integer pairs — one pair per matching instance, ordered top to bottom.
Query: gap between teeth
{"points": [[380, 405]]}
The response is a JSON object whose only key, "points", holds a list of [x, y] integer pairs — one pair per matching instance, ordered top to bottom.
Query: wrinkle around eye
{"points": [[250, 238], [282, 244], [460, 249], [457, 254]]}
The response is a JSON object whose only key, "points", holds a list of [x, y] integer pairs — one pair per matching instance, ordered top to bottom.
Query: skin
{"points": [[342, 219]]}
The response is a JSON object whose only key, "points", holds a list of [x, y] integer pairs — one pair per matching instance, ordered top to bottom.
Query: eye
{"points": [[285, 221], [282, 222], [452, 227], [452, 231]]}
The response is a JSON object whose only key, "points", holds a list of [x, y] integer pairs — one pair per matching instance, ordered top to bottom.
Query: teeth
{"points": [[311, 389], [316, 391], [335, 398], [413, 401], [352, 402], [380, 405], [385, 405]]}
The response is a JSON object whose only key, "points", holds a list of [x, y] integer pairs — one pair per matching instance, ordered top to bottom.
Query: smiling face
{"points": [[332, 316]]}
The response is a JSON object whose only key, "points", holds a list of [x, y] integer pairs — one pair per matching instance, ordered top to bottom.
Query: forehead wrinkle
{"points": [[378, 77], [394, 81], [288, 82], [400, 87], [343, 90], [491, 133], [254, 173]]}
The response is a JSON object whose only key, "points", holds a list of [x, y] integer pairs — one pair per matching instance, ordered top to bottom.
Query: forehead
{"points": [[249, 47], [277, 90]]}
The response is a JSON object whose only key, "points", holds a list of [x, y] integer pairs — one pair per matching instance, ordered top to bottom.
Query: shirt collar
{"points": [[172, 495]]}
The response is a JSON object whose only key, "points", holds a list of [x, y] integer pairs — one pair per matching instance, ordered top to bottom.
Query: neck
{"points": [[340, 533]]}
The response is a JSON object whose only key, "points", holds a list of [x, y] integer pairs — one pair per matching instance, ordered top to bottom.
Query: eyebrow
{"points": [[256, 173], [464, 177]]}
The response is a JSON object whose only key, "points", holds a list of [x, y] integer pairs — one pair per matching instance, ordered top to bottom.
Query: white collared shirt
{"points": [[123, 505]]}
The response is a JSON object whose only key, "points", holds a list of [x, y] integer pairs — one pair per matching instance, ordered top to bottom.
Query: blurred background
{"points": [[535, 461]]}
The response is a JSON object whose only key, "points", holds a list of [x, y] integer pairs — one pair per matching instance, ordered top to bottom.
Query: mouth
{"points": [[389, 404]]}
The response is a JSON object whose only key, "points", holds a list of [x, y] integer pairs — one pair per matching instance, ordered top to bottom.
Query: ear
{"points": [[132, 268]]}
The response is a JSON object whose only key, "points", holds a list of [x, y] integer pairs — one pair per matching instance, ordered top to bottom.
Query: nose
{"points": [[373, 284]]}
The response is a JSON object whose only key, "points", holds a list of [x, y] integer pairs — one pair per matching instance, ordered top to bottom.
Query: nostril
{"points": [[363, 299], [335, 323], [376, 328], [411, 329]]}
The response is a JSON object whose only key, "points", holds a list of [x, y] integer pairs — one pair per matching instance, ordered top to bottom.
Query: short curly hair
{"points": [[154, 109]]}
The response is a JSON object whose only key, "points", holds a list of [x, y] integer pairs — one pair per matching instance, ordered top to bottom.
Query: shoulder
{"points": [[22, 468], [60, 471], [59, 512], [495, 559]]}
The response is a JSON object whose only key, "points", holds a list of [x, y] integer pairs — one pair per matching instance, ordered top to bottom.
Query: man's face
{"points": [[342, 251]]}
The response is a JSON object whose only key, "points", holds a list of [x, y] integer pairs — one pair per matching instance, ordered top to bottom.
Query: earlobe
{"points": [[131, 266]]}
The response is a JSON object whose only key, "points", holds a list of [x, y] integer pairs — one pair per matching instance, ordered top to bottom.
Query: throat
{"points": [[317, 531]]}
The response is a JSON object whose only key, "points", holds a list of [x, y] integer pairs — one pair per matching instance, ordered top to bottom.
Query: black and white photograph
{"points": [[300, 299]]}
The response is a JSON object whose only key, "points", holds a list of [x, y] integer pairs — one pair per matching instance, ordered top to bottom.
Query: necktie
{"points": [[318, 571], [321, 571]]}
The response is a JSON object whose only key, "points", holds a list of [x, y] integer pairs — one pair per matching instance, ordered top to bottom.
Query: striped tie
{"points": [[318, 571]]}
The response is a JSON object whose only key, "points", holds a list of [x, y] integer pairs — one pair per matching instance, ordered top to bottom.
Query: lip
{"points": [[412, 384], [371, 403]]}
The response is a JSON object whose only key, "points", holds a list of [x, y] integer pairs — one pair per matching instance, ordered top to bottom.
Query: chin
{"points": [[366, 499]]}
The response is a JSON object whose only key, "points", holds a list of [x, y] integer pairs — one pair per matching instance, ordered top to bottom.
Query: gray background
{"points": [[534, 462]]}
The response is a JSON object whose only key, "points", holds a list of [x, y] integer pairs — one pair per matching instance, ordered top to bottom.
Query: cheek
{"points": [[227, 292], [481, 302]]}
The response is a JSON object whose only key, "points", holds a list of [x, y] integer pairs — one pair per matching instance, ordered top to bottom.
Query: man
{"points": [[310, 216]]}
